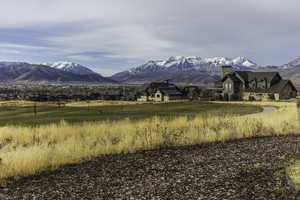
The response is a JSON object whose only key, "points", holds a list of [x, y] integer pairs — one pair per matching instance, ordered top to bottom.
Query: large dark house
{"points": [[250, 85], [161, 91]]}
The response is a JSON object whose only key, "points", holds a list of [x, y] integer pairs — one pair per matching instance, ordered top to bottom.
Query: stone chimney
{"points": [[226, 69]]}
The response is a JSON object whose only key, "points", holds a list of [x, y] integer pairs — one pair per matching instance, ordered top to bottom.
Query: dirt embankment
{"points": [[244, 169]]}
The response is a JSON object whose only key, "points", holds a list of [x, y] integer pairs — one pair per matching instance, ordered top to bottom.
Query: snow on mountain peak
{"points": [[217, 61], [243, 61], [180, 63], [293, 63], [71, 67]]}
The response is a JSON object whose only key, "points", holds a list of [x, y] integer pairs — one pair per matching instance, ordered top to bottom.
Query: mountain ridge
{"points": [[70, 67], [174, 67], [178, 69], [197, 70], [25, 72]]}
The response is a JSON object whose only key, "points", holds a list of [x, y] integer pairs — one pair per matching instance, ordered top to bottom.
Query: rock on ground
{"points": [[242, 169]]}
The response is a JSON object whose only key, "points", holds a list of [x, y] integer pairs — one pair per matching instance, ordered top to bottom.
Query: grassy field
{"points": [[22, 113], [27, 150], [293, 172]]}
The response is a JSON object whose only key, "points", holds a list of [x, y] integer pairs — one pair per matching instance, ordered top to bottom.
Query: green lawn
{"points": [[24, 115]]}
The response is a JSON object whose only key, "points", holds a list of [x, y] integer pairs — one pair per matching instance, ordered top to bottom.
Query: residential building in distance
{"points": [[257, 86], [161, 91]]}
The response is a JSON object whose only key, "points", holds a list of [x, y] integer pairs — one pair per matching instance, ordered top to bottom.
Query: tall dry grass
{"points": [[28, 150]]}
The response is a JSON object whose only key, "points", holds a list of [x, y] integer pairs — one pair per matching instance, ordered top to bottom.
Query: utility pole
{"points": [[124, 92], [35, 109]]}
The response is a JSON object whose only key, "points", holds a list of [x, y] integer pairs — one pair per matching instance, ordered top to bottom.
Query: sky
{"points": [[109, 36]]}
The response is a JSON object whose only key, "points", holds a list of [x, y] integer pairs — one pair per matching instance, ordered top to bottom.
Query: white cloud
{"points": [[15, 13], [142, 29], [131, 41], [20, 46], [7, 51], [83, 58]]}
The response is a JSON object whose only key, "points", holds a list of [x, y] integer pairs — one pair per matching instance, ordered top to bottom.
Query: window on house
{"points": [[253, 84], [226, 86], [158, 95]]}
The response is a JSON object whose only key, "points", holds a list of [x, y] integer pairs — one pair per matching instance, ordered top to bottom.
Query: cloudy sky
{"points": [[112, 35]]}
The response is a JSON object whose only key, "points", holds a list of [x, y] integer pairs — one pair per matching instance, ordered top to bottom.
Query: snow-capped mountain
{"points": [[181, 63], [294, 63], [71, 67], [174, 67], [191, 69], [291, 71], [65, 72]]}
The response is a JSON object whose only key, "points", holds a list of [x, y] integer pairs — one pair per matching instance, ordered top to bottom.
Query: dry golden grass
{"points": [[22, 103], [28, 150], [293, 172]]}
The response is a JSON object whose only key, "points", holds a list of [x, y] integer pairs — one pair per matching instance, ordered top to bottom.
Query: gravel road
{"points": [[266, 109], [269, 109], [242, 169]]}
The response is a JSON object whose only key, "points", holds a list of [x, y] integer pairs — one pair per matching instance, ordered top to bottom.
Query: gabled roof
{"points": [[243, 74], [250, 75], [233, 77], [157, 85], [160, 85], [165, 87], [276, 88], [170, 92], [144, 93]]}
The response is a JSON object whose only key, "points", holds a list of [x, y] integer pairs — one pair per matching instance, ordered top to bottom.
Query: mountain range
{"points": [[179, 69], [183, 69], [199, 70], [290, 71], [49, 72]]}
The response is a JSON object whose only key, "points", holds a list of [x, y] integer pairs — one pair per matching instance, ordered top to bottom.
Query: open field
{"points": [[22, 113], [30, 150], [293, 172]]}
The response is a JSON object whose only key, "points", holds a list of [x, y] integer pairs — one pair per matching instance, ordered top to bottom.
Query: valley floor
{"points": [[22, 113], [240, 169]]}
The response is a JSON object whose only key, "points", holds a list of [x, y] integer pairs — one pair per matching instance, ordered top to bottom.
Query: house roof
{"points": [[243, 74], [250, 75], [232, 77], [156, 85], [160, 85], [165, 87], [276, 88], [170, 91], [143, 93]]}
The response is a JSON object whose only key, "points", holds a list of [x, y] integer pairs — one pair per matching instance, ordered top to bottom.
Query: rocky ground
{"points": [[244, 169]]}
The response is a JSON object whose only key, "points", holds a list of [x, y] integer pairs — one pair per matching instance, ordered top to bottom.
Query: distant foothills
{"points": [[179, 69]]}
